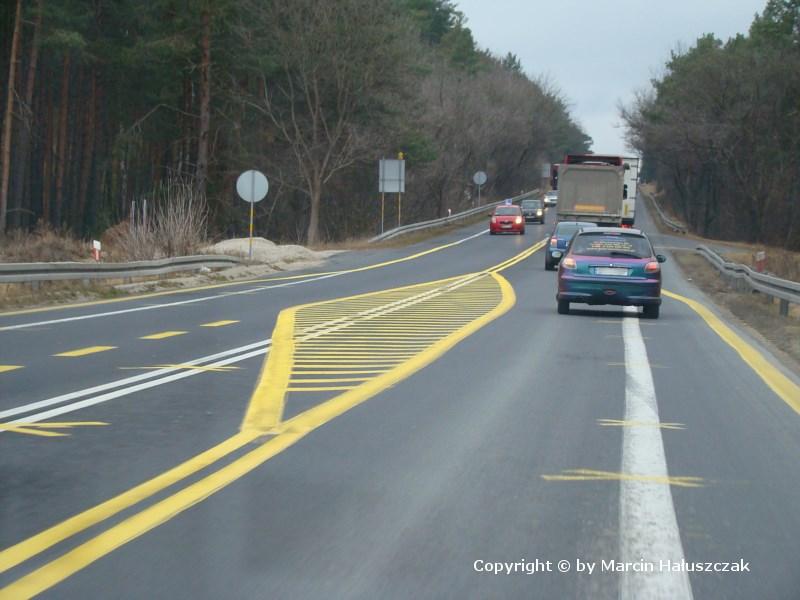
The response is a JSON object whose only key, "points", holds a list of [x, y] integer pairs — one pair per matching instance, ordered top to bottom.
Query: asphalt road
{"points": [[434, 430]]}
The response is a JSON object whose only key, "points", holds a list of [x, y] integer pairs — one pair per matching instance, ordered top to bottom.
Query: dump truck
{"points": [[590, 188]]}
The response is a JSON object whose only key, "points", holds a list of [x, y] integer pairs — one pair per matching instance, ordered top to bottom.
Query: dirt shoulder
{"points": [[755, 312]]}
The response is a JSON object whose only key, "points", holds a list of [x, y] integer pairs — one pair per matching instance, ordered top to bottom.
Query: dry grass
{"points": [[175, 226], [44, 244], [781, 263], [758, 311]]}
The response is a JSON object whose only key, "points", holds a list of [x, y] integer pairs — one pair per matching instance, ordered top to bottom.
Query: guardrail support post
{"points": [[783, 308]]}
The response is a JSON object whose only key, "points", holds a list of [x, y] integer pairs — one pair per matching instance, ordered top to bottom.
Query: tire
{"points": [[492, 232], [522, 232], [548, 266], [563, 307], [651, 311]]}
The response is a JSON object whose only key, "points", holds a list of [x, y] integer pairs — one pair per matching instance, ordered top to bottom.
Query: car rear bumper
{"points": [[609, 291]]}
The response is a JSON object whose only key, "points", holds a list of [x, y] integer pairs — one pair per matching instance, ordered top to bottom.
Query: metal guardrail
{"points": [[674, 225], [392, 233], [64, 271], [741, 275]]}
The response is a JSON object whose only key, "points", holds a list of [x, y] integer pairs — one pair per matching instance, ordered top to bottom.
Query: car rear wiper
{"points": [[621, 253]]}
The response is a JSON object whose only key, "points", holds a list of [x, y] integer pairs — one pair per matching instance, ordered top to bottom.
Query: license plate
{"points": [[505, 225], [610, 271]]}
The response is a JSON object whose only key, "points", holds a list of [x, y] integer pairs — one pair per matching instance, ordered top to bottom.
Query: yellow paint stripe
{"points": [[218, 323], [162, 335], [85, 351], [6, 368], [338, 372], [779, 383], [267, 401], [622, 423], [40, 428], [29, 431], [592, 475], [22, 551]]}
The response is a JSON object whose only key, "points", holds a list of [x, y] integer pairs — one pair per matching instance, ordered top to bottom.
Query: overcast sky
{"points": [[599, 53]]}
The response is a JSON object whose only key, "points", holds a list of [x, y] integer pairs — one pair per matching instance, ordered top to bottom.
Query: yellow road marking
{"points": [[218, 323], [162, 335], [85, 351], [6, 368], [222, 368], [338, 372], [329, 379], [779, 383], [332, 388], [619, 423], [41, 428], [288, 433], [592, 475]]}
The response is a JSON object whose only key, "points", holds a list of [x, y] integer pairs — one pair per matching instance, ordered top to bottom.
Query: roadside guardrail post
{"points": [[783, 308]]}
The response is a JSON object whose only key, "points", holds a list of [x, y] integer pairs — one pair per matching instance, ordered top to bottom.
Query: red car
{"points": [[507, 219]]}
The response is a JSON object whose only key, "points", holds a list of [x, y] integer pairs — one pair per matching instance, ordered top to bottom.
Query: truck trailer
{"points": [[590, 188], [629, 191]]}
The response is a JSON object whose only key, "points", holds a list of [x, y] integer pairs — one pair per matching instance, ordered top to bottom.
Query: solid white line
{"points": [[201, 299], [127, 380], [134, 388], [648, 525]]}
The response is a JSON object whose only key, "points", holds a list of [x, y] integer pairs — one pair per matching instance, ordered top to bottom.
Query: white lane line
{"points": [[203, 298], [127, 381], [68, 408], [648, 525]]}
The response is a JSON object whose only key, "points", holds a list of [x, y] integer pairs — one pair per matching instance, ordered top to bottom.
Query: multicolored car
{"points": [[610, 265]]}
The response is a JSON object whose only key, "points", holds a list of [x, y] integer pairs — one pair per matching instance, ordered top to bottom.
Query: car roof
{"points": [[496, 208], [626, 230]]}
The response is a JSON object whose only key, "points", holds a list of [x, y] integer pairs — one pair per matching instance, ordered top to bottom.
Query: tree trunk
{"points": [[205, 103], [7, 119], [62, 140], [88, 154], [23, 166], [47, 167], [312, 236]]}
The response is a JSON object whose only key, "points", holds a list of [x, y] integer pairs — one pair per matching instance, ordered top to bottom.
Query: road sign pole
{"points": [[479, 195], [383, 203], [398, 209], [252, 210]]}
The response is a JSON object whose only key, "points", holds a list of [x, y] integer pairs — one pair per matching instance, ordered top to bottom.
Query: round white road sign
{"points": [[479, 178], [252, 186]]}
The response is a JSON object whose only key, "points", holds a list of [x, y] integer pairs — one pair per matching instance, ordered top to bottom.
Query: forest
{"points": [[110, 103], [720, 131]]}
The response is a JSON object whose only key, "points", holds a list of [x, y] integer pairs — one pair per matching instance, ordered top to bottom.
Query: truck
{"points": [[591, 188], [629, 190]]}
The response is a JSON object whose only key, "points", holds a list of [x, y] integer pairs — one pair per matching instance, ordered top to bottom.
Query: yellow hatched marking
{"points": [[219, 323], [162, 335], [85, 351], [6, 368], [338, 372], [333, 388], [619, 423], [41, 428], [592, 475]]}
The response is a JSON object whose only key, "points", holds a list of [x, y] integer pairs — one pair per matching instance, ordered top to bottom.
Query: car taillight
{"points": [[494, 220], [518, 220], [553, 242], [569, 263], [652, 267]]}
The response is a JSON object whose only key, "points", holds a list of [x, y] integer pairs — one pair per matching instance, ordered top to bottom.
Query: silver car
{"points": [[551, 198]]}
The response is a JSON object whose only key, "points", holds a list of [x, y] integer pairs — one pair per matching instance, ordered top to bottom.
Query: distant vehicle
{"points": [[554, 176], [591, 189], [629, 190], [551, 198], [533, 210], [507, 219], [560, 238], [610, 265]]}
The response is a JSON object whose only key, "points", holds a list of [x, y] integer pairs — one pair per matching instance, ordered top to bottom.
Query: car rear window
{"points": [[531, 204], [507, 210], [567, 228], [610, 244]]}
